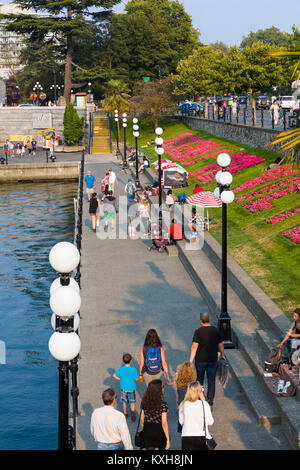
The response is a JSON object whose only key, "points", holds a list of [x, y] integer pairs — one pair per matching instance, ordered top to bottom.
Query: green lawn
{"points": [[269, 258]]}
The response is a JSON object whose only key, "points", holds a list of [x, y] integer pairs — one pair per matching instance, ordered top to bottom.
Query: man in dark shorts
{"points": [[206, 344]]}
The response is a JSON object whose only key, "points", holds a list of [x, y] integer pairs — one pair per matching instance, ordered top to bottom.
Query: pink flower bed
{"points": [[189, 148], [239, 161], [266, 177], [269, 189], [264, 202], [285, 215], [293, 234]]}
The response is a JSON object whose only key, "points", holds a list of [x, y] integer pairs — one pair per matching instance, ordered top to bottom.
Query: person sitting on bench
{"points": [[175, 233]]}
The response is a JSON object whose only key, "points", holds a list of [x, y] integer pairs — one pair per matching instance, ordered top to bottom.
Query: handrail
{"points": [[109, 130]]}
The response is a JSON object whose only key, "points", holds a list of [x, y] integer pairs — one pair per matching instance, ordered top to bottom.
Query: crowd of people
{"points": [[20, 149], [195, 408]]}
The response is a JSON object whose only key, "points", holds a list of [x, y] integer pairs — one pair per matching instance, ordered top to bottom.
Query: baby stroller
{"points": [[159, 243]]}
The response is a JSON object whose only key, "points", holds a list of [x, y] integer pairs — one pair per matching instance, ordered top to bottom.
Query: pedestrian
{"points": [[234, 108], [274, 111], [281, 115], [34, 144], [29, 146], [51, 146], [6, 148], [11, 149], [19, 149], [22, 149], [112, 180], [89, 184], [105, 185], [130, 189], [197, 189], [170, 199], [110, 209], [94, 210], [144, 212], [132, 218], [196, 223], [175, 233], [294, 332], [206, 344], [152, 358], [185, 374], [128, 376], [154, 409], [194, 411], [108, 425]]}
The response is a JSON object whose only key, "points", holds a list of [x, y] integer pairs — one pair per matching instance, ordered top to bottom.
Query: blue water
{"points": [[33, 217]]}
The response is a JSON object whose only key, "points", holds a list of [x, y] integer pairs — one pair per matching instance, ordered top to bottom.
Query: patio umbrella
{"points": [[204, 199]]}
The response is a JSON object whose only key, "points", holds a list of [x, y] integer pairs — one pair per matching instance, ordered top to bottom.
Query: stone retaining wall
{"points": [[248, 135], [39, 172]]}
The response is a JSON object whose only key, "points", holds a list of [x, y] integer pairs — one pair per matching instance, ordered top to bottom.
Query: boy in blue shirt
{"points": [[128, 377]]}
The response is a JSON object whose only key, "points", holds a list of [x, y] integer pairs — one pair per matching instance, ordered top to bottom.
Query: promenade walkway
{"points": [[125, 291]]}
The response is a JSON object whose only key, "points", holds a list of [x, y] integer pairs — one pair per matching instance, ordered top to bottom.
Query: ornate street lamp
{"points": [[124, 127], [117, 131], [136, 134], [160, 151], [223, 192], [64, 344]]}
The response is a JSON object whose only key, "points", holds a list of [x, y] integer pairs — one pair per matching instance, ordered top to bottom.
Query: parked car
{"points": [[242, 99], [285, 101], [263, 102], [25, 105], [186, 107]]}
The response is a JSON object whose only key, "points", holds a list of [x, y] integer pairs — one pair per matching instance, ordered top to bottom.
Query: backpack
{"points": [[130, 190], [181, 198], [153, 361], [273, 361]]}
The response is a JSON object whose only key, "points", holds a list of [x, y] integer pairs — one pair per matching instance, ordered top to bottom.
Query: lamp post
{"points": [[37, 87], [55, 87], [89, 92], [124, 127], [117, 131], [136, 134], [160, 151], [223, 192], [64, 344]]}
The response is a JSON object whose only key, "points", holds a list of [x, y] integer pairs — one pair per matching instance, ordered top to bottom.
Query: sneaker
{"points": [[133, 417]]}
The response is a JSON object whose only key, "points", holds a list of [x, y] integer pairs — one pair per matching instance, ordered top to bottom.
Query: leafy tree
{"points": [[61, 21], [272, 36], [148, 40], [196, 75], [116, 98], [152, 99], [73, 125]]}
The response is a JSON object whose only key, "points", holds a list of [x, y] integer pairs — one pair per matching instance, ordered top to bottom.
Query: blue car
{"points": [[186, 107]]}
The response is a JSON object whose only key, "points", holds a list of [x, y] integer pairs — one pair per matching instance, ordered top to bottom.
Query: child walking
{"points": [[128, 376]]}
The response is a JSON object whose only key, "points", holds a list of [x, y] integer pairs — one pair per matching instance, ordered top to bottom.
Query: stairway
{"points": [[100, 139]]}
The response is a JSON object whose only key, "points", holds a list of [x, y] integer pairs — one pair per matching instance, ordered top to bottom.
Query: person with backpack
{"points": [[130, 189], [152, 358]]}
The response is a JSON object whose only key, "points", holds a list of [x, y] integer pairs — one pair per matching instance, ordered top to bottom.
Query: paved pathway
{"points": [[125, 291]]}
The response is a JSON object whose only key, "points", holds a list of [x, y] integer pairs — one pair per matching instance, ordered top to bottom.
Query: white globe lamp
{"points": [[158, 131], [159, 140], [160, 151], [224, 160], [225, 178], [227, 197], [64, 257], [56, 284], [65, 302], [64, 346]]}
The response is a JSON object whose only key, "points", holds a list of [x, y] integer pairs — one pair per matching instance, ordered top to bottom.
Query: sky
{"points": [[230, 20]]}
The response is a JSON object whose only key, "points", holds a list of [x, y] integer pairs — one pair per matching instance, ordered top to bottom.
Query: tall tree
{"points": [[59, 22], [272, 36]]}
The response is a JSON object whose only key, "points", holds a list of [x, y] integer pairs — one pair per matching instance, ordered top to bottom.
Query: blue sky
{"points": [[230, 20]]}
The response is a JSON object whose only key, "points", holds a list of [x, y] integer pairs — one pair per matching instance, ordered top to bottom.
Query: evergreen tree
{"points": [[59, 22], [73, 125]]}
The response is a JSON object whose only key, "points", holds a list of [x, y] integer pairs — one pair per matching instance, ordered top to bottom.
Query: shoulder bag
{"points": [[211, 443]]}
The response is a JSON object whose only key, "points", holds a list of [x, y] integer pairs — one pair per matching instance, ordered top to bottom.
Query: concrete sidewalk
{"points": [[125, 291]]}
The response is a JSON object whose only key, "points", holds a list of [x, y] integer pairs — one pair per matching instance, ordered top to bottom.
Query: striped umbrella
{"points": [[204, 199]]}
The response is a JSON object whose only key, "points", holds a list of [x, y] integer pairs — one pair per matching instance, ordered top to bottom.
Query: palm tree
{"points": [[116, 98]]}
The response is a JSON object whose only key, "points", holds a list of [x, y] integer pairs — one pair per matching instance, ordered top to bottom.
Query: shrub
{"points": [[73, 125]]}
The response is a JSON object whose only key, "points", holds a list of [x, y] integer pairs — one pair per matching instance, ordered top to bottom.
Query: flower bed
{"points": [[189, 148], [239, 161], [266, 177], [269, 189], [264, 202], [285, 215], [293, 234]]}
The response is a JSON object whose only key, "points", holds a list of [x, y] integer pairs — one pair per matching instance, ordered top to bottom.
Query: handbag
{"points": [[138, 434], [211, 443]]}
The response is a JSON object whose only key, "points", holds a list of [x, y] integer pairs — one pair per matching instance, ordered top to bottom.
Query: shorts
{"points": [[110, 215], [128, 397]]}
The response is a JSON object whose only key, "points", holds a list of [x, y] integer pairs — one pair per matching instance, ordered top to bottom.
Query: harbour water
{"points": [[33, 217]]}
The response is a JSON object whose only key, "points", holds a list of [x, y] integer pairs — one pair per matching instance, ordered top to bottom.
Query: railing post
{"points": [[262, 117], [273, 119], [284, 119], [253, 121]]}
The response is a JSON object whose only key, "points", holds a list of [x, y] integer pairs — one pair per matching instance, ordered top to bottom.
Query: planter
{"points": [[69, 148]]}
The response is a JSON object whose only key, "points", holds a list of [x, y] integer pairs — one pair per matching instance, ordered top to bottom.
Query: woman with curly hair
{"points": [[152, 358], [185, 374], [154, 409], [193, 412]]}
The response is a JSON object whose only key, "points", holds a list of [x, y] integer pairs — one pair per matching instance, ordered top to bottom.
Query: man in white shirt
{"points": [[108, 425]]}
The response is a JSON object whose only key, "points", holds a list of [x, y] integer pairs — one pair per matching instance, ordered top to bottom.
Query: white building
{"points": [[10, 43]]}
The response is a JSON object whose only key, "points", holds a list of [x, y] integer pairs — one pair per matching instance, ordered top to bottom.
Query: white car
{"points": [[286, 101]]}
